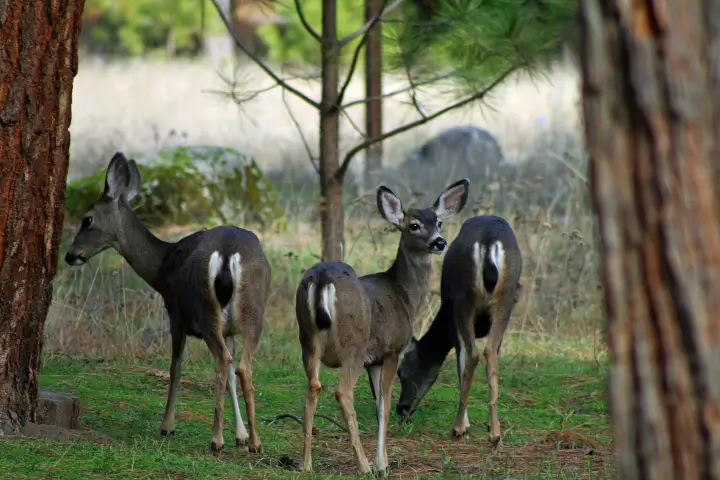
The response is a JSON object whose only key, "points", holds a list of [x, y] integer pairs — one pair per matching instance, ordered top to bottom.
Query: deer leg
{"points": [[501, 318], [250, 343], [467, 359], [223, 360], [311, 360], [388, 372], [374, 374], [345, 396], [167, 427], [241, 434]]}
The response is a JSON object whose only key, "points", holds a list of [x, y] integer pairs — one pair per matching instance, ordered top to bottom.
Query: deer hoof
{"points": [[167, 433], [458, 434], [495, 441], [241, 442], [215, 447], [255, 448]]}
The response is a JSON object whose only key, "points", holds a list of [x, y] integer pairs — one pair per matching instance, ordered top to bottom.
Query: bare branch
{"points": [[305, 23], [370, 23], [358, 49], [262, 64], [398, 91], [413, 92], [353, 124], [311, 157], [340, 173]]}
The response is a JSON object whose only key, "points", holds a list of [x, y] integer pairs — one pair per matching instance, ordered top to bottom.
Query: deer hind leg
{"points": [[500, 319], [250, 344], [467, 359], [223, 361], [311, 361], [388, 372], [345, 396], [167, 427], [241, 434]]}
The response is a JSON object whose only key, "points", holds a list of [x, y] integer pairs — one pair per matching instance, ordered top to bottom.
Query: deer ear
{"points": [[117, 177], [133, 188], [452, 199], [390, 206]]}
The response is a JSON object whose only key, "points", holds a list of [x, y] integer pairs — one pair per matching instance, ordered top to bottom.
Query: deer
{"points": [[214, 284], [479, 287], [350, 322]]}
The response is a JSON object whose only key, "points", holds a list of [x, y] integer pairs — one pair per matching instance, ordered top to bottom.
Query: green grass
{"points": [[551, 405]]}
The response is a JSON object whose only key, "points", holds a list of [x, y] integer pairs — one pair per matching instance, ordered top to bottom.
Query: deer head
{"points": [[103, 224]]}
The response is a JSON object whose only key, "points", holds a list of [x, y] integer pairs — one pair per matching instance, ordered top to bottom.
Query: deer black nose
{"points": [[438, 245], [69, 258], [403, 411]]}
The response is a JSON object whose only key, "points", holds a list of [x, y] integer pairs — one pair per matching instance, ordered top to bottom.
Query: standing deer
{"points": [[214, 284], [479, 288], [351, 322]]}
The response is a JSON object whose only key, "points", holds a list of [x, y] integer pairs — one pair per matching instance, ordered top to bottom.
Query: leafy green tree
{"points": [[471, 45]]}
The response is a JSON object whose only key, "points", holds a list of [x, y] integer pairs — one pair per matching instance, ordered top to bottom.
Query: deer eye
{"points": [[86, 222], [414, 227]]}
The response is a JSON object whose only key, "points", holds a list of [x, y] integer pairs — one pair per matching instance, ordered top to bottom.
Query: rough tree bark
{"points": [[38, 60], [373, 89], [650, 102], [331, 209]]}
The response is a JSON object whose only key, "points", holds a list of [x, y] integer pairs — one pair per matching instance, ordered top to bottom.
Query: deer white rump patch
{"points": [[496, 255], [214, 266], [327, 300]]}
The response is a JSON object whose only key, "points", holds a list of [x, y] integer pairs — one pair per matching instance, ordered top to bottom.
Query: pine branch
{"points": [[370, 23], [258, 61], [398, 91], [311, 157], [340, 173]]}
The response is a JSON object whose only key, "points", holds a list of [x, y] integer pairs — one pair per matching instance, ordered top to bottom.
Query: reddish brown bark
{"points": [[38, 55], [373, 89], [650, 106], [331, 209]]}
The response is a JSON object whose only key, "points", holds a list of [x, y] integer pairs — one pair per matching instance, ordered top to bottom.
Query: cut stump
{"points": [[59, 409]]}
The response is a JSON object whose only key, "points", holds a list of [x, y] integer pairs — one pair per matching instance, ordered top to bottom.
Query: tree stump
{"points": [[59, 409]]}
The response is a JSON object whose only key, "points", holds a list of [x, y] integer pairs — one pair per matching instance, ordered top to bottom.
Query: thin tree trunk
{"points": [[39, 60], [373, 89], [650, 105], [331, 208]]}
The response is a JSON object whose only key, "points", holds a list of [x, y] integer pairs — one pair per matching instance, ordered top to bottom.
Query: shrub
{"points": [[191, 185]]}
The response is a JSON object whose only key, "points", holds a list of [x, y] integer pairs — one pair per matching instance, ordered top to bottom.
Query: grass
{"points": [[552, 409]]}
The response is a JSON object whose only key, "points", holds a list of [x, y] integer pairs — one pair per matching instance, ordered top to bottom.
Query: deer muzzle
{"points": [[438, 245], [74, 259]]}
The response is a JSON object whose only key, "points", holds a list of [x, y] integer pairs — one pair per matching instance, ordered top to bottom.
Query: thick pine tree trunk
{"points": [[38, 60], [373, 89], [650, 104], [331, 208]]}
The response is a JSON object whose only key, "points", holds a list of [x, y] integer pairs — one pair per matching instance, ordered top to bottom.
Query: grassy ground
{"points": [[552, 410]]}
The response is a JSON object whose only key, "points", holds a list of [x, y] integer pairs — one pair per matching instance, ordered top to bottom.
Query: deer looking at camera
{"points": [[214, 284], [479, 288], [351, 322]]}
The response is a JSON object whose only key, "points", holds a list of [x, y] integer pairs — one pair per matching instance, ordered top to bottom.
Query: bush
{"points": [[191, 185]]}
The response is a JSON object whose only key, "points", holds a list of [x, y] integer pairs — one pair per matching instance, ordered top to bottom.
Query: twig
{"points": [[305, 23], [370, 23], [358, 49], [260, 63], [398, 91], [413, 92], [353, 124], [313, 161], [340, 173], [283, 416]]}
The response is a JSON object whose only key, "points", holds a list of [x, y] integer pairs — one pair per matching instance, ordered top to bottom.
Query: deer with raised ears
{"points": [[214, 284], [479, 287], [352, 322]]}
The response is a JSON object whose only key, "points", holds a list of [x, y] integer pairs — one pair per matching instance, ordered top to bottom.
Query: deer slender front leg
{"points": [[389, 369], [167, 427], [241, 434]]}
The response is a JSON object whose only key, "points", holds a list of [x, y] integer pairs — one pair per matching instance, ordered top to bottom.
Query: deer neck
{"points": [[141, 249], [411, 271], [434, 346]]}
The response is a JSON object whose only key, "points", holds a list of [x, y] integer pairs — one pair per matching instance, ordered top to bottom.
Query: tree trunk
{"points": [[39, 60], [373, 89], [650, 107], [331, 208]]}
